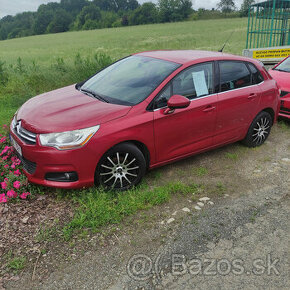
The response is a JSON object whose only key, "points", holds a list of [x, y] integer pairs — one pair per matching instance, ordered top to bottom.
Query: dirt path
{"points": [[239, 239]]}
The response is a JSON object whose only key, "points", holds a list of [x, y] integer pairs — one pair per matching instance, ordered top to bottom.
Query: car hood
{"points": [[282, 78], [66, 109]]}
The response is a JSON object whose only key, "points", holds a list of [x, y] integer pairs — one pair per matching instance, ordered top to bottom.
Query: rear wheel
{"points": [[259, 130], [121, 168]]}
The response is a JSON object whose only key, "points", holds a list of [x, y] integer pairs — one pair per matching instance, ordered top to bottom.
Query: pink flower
{"points": [[3, 139], [5, 150], [6, 166], [13, 166], [17, 172], [17, 184], [3, 185], [11, 193], [24, 195], [3, 198]]}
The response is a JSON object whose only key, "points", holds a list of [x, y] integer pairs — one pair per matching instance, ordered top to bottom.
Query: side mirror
{"points": [[178, 102]]}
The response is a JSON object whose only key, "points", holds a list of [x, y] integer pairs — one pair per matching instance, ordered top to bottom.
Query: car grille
{"points": [[24, 135], [28, 166]]}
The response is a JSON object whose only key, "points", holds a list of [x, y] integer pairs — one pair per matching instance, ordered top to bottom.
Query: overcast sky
{"points": [[12, 7]]}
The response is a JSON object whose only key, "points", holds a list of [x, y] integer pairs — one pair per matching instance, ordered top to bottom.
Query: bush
{"points": [[13, 184]]}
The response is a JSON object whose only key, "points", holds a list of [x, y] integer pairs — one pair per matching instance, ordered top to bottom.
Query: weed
{"points": [[283, 125], [232, 156], [200, 171], [221, 189], [46, 234], [17, 263]]}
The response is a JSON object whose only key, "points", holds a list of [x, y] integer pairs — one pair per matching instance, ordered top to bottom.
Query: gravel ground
{"points": [[237, 240]]}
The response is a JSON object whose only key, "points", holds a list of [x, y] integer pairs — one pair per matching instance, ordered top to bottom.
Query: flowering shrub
{"points": [[12, 181]]}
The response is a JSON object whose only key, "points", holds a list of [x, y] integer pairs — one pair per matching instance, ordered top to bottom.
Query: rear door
{"points": [[238, 101]]}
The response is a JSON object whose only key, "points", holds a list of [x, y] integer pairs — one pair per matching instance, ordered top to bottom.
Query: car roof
{"points": [[186, 56]]}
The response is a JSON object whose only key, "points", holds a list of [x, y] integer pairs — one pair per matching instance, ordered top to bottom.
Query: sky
{"points": [[12, 7]]}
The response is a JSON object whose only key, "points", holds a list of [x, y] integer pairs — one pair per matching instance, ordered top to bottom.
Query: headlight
{"points": [[68, 140]]}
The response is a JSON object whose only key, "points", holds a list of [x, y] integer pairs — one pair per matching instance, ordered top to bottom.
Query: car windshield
{"points": [[284, 66], [130, 80]]}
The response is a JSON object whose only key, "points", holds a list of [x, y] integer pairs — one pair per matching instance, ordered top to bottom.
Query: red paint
{"points": [[283, 80], [178, 102], [206, 122]]}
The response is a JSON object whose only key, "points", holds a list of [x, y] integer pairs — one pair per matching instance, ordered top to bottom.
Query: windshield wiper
{"points": [[94, 95]]}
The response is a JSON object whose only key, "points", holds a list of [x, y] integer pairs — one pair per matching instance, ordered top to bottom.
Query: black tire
{"points": [[259, 130], [121, 168]]}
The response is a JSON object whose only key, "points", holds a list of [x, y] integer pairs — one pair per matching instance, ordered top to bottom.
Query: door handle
{"points": [[252, 96], [209, 109]]}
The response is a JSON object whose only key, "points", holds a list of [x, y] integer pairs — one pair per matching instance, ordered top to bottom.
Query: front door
{"points": [[185, 131]]}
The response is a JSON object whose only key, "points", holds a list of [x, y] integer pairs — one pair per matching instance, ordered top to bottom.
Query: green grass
{"points": [[118, 42], [232, 156], [200, 171], [98, 208], [17, 263]]}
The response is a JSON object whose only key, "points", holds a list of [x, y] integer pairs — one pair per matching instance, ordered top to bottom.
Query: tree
{"points": [[116, 5], [73, 6], [226, 6], [245, 7], [174, 10], [89, 13], [144, 14], [43, 18], [60, 22]]}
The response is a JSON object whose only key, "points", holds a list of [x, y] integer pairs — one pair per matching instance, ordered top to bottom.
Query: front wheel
{"points": [[259, 130], [121, 168]]}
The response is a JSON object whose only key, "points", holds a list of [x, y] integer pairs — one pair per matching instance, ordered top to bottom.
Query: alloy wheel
{"points": [[261, 131], [119, 171]]}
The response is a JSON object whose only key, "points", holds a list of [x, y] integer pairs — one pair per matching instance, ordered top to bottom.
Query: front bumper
{"points": [[285, 108], [39, 160]]}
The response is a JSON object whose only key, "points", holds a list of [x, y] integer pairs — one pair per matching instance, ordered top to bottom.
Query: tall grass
{"points": [[20, 81]]}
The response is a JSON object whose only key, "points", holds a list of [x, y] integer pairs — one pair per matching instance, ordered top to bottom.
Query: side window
{"points": [[234, 75], [256, 75], [193, 82], [163, 97]]}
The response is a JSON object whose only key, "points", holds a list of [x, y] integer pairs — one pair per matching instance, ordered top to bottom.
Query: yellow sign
{"points": [[271, 53]]}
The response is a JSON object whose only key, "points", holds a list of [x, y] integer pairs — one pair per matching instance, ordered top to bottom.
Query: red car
{"points": [[281, 73], [144, 111]]}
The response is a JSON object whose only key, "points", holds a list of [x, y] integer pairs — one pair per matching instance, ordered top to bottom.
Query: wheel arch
{"points": [[271, 112], [140, 145], [143, 148]]}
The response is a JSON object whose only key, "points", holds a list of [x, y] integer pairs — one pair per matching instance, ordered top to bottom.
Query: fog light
{"points": [[62, 176]]}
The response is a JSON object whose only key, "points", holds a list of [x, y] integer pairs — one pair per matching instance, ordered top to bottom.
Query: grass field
{"points": [[118, 42]]}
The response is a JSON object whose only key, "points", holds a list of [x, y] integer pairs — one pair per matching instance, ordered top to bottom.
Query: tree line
{"points": [[69, 15]]}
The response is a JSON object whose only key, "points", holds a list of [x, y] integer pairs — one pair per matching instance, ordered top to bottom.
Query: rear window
{"points": [[234, 75], [256, 75]]}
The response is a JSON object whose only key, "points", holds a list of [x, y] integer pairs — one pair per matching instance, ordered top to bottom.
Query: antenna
{"points": [[221, 50]]}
